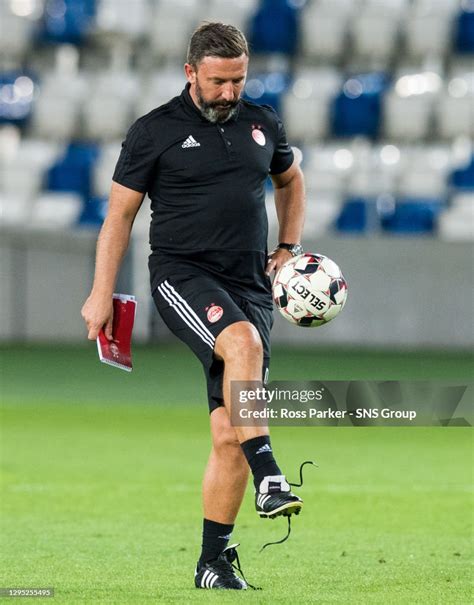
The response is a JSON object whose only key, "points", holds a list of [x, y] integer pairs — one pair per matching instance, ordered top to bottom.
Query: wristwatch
{"points": [[294, 249]]}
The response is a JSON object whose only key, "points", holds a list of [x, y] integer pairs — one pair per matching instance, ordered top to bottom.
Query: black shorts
{"points": [[197, 309]]}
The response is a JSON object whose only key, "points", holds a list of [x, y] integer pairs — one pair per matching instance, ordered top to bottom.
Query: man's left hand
{"points": [[276, 259]]}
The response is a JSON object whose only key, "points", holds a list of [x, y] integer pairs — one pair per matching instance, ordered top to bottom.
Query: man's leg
{"points": [[240, 347], [226, 475], [225, 481]]}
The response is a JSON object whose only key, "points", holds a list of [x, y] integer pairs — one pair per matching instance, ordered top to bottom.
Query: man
{"points": [[204, 158]]}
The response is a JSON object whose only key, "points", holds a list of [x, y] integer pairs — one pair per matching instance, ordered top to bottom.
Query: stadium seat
{"points": [[237, 12], [122, 20], [67, 21], [171, 25], [274, 28], [464, 28], [428, 31], [16, 32], [323, 32], [374, 37], [158, 88], [266, 88], [17, 90], [306, 104], [408, 106], [357, 108], [454, 110], [56, 111], [107, 113], [326, 168], [103, 169], [23, 171], [424, 171], [73, 172], [463, 177], [56, 210], [15, 211], [93, 212], [321, 214], [353, 216], [412, 216], [456, 223]]}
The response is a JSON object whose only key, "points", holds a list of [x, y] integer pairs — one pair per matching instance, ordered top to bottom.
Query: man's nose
{"points": [[227, 92]]}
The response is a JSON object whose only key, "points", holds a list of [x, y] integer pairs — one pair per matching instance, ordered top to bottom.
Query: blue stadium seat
{"points": [[67, 21], [274, 28], [464, 29], [267, 88], [16, 97], [357, 108], [74, 171], [463, 178], [93, 212], [353, 216], [416, 216]]}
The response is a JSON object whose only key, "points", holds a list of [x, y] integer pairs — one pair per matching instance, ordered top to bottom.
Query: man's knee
{"points": [[238, 340], [224, 437]]}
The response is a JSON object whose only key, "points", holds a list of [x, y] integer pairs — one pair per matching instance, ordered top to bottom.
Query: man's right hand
{"points": [[98, 313]]}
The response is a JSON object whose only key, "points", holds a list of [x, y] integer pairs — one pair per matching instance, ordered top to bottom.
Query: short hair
{"points": [[216, 40]]}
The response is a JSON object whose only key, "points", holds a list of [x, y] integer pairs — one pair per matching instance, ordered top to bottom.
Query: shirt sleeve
{"points": [[283, 155], [137, 160]]}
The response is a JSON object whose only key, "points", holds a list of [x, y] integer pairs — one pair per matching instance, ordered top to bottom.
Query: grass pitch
{"points": [[101, 475]]}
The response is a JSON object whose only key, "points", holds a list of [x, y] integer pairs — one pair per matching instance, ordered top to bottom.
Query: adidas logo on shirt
{"points": [[190, 142], [264, 448]]}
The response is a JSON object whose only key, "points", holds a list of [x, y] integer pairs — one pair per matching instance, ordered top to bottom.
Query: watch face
{"points": [[296, 249]]}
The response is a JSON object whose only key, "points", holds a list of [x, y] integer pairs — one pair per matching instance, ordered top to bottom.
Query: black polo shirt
{"points": [[206, 183]]}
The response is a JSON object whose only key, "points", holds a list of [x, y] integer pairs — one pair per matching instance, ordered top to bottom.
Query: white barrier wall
{"points": [[404, 292]]}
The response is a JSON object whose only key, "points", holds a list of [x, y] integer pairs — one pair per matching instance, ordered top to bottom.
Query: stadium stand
{"points": [[377, 94]]}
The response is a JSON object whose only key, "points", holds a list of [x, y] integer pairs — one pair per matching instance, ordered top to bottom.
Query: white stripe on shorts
{"points": [[187, 314]]}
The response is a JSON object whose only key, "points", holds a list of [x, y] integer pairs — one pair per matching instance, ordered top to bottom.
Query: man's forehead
{"points": [[219, 67]]}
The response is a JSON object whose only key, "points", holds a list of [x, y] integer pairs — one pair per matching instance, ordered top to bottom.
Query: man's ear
{"points": [[190, 73]]}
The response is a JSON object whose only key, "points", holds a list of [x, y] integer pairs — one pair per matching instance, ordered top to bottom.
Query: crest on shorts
{"points": [[214, 313]]}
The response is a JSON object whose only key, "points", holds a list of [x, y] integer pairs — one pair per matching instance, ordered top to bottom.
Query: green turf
{"points": [[101, 500]]}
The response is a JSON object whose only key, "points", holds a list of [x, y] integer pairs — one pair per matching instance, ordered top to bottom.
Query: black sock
{"points": [[259, 454], [215, 537]]}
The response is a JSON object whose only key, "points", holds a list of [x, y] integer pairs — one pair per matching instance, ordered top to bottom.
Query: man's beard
{"points": [[216, 111]]}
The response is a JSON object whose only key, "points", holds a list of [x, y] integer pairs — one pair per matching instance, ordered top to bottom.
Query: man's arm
{"points": [[290, 204], [112, 244]]}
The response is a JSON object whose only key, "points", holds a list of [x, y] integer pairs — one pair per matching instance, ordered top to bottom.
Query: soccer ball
{"points": [[309, 290]]}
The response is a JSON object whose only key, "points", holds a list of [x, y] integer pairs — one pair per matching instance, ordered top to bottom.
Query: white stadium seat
{"points": [[237, 12], [122, 18], [171, 25], [16, 33], [323, 33], [374, 36], [158, 88], [306, 105], [408, 105], [455, 108], [56, 111], [107, 113], [104, 168], [424, 171], [23, 172], [56, 210], [15, 211], [321, 212], [457, 222]]}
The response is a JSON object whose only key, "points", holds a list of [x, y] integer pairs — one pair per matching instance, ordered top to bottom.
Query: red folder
{"points": [[118, 352]]}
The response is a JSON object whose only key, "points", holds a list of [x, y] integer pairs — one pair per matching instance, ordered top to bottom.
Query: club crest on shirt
{"points": [[258, 135], [214, 313]]}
